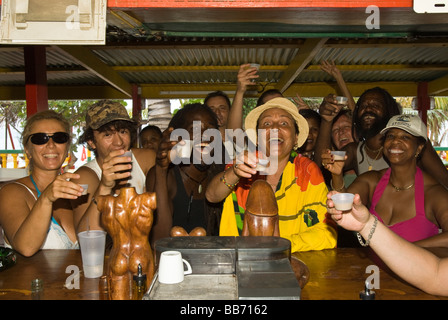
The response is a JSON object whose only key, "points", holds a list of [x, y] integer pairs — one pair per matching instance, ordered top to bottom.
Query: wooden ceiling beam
{"points": [[306, 53], [86, 58]]}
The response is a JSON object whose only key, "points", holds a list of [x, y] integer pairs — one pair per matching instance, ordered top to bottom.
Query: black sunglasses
{"points": [[42, 138]]}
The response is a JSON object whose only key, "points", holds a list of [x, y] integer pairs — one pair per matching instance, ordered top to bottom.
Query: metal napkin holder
{"points": [[260, 265]]}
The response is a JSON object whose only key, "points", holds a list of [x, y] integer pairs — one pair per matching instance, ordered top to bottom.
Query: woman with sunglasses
{"points": [[33, 212]]}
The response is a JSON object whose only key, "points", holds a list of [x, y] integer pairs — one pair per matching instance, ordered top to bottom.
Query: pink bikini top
{"points": [[416, 228]]}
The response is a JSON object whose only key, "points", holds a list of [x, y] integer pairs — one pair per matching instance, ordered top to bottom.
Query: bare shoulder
{"points": [[146, 158], [87, 176], [371, 177], [433, 189], [11, 190], [10, 194]]}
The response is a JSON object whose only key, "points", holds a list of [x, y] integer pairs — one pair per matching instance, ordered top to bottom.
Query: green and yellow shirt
{"points": [[301, 198]]}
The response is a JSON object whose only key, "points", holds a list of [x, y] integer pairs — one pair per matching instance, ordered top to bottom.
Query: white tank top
{"points": [[368, 162], [137, 180], [56, 236]]}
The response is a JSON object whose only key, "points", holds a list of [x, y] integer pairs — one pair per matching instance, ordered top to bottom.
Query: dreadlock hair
{"points": [[392, 108]]}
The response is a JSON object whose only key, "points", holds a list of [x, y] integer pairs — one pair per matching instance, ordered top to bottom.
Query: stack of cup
{"points": [[92, 243]]}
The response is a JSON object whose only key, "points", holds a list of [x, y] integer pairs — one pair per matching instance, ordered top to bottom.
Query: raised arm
{"points": [[332, 70], [245, 76], [328, 110], [431, 163]]}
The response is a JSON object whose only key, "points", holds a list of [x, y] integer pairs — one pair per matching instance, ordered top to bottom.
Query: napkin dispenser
{"points": [[261, 265]]}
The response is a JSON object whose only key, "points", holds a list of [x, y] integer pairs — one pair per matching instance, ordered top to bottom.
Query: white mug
{"points": [[171, 267]]}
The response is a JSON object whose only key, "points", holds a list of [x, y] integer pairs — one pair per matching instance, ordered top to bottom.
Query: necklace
{"points": [[372, 151], [378, 152], [193, 179], [402, 189]]}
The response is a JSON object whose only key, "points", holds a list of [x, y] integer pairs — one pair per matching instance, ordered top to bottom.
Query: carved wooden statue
{"points": [[261, 215], [261, 219], [128, 220]]}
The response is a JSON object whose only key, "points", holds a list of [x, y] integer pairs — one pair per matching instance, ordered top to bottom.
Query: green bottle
{"points": [[7, 258]]}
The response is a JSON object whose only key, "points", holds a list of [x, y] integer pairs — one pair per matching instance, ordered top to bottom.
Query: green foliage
{"points": [[15, 113]]}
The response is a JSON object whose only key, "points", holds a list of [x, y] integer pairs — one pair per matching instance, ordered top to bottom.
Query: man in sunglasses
{"points": [[109, 133]]}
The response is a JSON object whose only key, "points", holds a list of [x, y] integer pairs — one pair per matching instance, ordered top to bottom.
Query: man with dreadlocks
{"points": [[372, 112]]}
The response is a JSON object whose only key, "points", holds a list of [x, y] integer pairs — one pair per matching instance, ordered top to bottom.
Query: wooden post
{"points": [[35, 79], [423, 100], [137, 109]]}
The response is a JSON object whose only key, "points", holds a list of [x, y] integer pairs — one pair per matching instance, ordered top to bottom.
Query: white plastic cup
{"points": [[255, 65], [341, 100], [183, 151], [127, 154], [338, 155], [262, 165], [85, 188], [343, 201], [93, 244], [171, 267]]}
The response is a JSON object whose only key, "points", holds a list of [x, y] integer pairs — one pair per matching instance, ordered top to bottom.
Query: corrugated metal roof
{"points": [[172, 59]]}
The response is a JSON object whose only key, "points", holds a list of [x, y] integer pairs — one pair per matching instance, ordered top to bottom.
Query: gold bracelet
{"points": [[228, 185], [340, 189]]}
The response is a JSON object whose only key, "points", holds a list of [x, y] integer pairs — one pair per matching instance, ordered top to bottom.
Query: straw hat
{"points": [[250, 123]]}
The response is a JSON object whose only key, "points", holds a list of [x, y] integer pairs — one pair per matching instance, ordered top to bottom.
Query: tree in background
{"points": [[14, 113]]}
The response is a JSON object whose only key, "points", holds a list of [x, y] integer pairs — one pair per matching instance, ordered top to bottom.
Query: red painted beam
{"points": [[257, 4], [36, 87], [423, 100]]}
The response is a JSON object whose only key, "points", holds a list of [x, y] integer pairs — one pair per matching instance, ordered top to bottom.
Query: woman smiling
{"points": [[298, 183], [405, 198], [33, 214]]}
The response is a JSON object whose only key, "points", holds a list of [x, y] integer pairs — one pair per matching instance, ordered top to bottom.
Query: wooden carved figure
{"points": [[261, 215], [128, 219]]}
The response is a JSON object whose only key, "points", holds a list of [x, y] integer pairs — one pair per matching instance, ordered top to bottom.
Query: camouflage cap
{"points": [[105, 111]]}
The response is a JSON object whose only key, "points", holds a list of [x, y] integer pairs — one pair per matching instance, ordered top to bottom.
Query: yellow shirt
{"points": [[301, 199]]}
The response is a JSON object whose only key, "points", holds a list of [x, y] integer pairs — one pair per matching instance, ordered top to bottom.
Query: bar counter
{"points": [[336, 274]]}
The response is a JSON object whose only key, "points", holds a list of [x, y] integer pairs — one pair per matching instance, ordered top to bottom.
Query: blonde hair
{"points": [[44, 115]]}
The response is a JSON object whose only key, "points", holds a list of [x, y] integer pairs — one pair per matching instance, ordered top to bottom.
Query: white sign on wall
{"points": [[431, 6], [53, 22]]}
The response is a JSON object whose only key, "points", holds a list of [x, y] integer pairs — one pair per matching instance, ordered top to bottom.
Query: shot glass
{"points": [[343, 201]]}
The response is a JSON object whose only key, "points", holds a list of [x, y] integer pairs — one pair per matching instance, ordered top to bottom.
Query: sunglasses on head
{"points": [[42, 138]]}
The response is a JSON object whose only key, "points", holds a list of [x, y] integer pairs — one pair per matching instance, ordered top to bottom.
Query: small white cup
{"points": [[255, 65], [341, 100], [183, 151], [127, 154], [338, 155], [262, 165], [85, 189], [343, 201], [171, 267]]}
